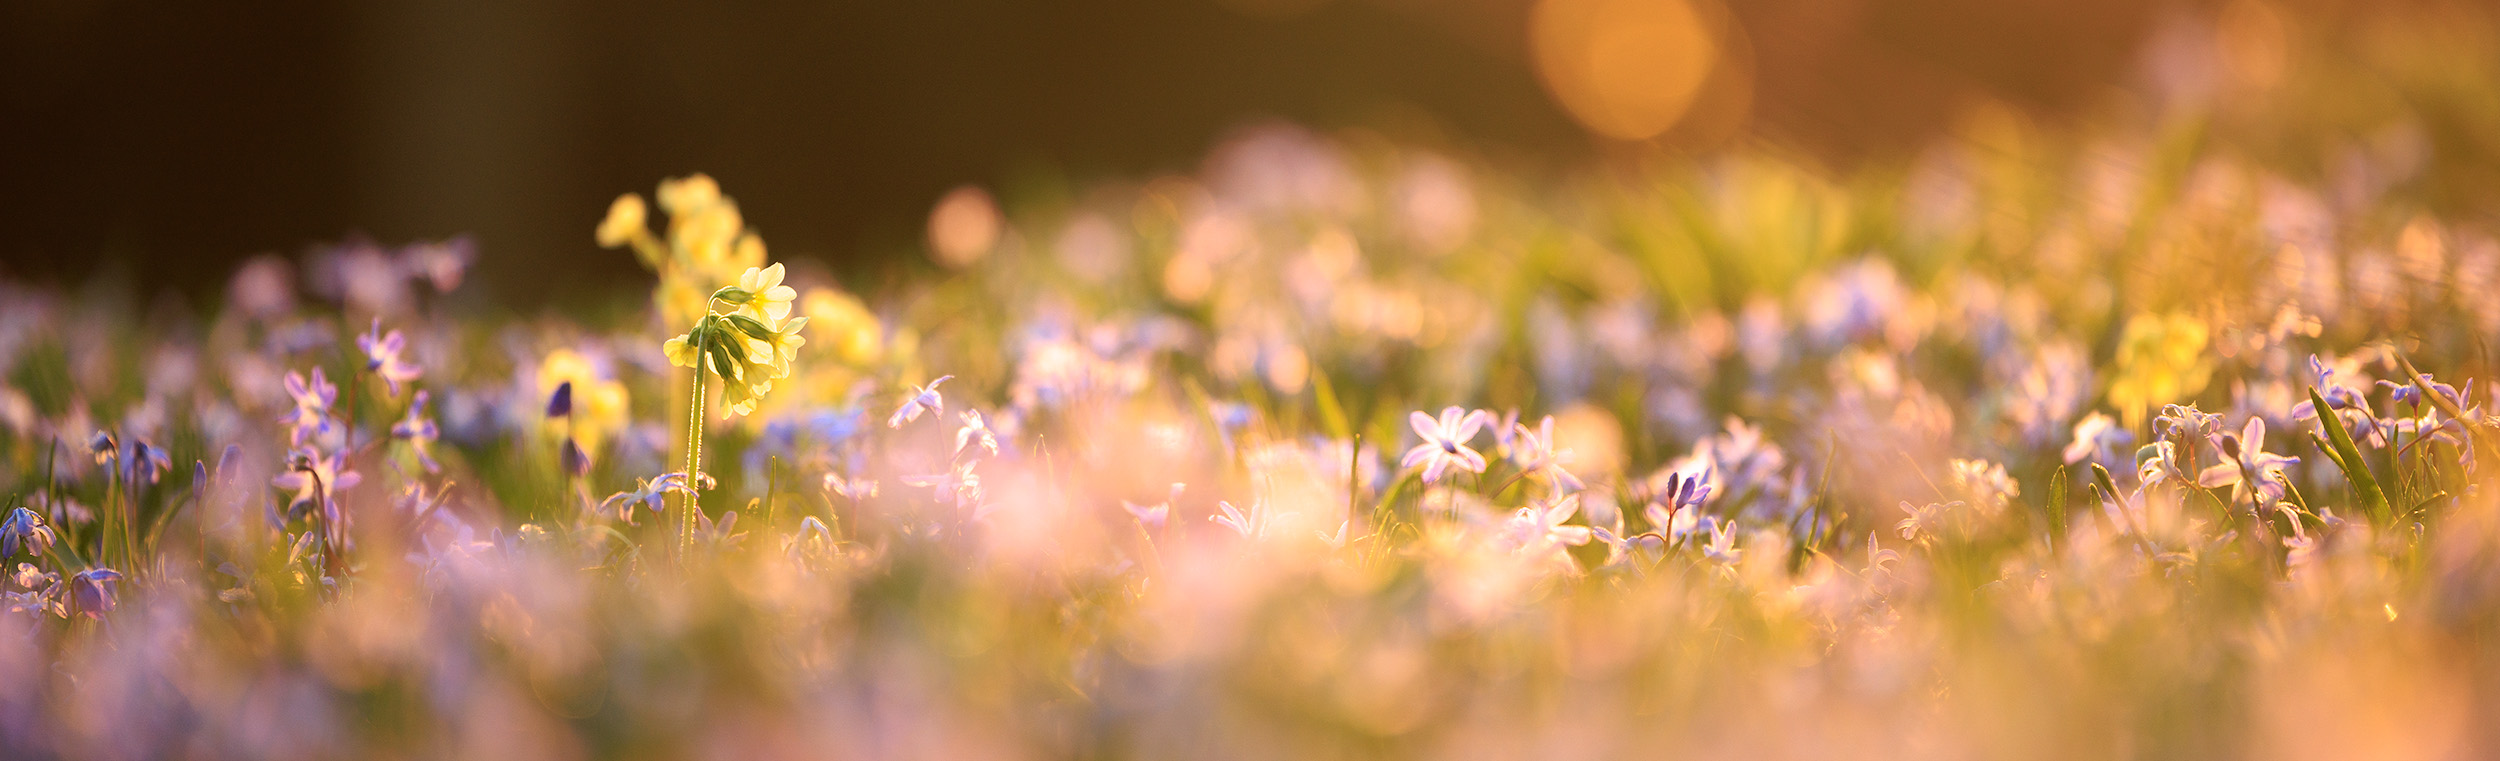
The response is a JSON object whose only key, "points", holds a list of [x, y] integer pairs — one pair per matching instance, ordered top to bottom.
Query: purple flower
{"points": [[439, 264], [382, 356], [2407, 393], [2337, 395], [313, 397], [923, 399], [560, 403], [2186, 424], [1505, 430], [420, 432], [975, 433], [2099, 438], [1444, 443], [104, 447], [1533, 450], [573, 459], [135, 462], [2249, 466], [316, 479], [957, 486], [853, 489], [1689, 491], [651, 494], [1678, 505], [1153, 516], [1549, 522], [1250, 525], [24, 530], [721, 534], [812, 539], [1722, 547], [91, 592], [42, 595]]}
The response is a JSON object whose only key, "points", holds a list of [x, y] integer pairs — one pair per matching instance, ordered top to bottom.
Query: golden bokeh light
{"points": [[1626, 69]]}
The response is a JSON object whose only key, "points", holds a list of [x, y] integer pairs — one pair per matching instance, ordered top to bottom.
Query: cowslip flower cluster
{"points": [[749, 347]]}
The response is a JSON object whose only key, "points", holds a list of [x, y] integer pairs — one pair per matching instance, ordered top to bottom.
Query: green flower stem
{"points": [[694, 447]]}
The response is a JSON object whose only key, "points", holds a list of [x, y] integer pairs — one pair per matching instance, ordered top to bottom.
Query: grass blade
{"points": [[1331, 412], [2348, 457]]}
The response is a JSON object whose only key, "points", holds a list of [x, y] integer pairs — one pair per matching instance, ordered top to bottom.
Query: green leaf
{"points": [[1331, 413], [2327, 449], [2348, 456], [2100, 476], [2425, 504], [2057, 506]]}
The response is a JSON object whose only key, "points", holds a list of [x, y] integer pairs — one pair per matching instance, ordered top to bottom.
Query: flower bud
{"points": [[560, 403]]}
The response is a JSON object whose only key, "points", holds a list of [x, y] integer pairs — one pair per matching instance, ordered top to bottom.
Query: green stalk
{"points": [[694, 448]]}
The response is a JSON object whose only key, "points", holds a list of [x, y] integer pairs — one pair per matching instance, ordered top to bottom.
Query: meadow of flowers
{"points": [[1336, 447]]}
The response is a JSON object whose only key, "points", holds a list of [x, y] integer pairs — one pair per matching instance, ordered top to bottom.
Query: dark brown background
{"points": [[163, 142]]}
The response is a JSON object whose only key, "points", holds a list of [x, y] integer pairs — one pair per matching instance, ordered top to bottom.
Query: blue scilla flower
{"points": [[2407, 393], [136, 461], [651, 495], [24, 530], [91, 592]]}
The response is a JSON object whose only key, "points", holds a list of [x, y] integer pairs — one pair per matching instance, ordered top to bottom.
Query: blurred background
{"points": [[161, 143]]}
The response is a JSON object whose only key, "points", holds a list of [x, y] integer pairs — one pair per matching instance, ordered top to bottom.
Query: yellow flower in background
{"points": [[690, 192], [625, 218], [704, 238], [707, 246], [747, 253], [680, 300], [848, 329], [2160, 361], [599, 403]]}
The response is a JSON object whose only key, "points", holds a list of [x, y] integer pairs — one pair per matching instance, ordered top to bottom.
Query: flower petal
{"points": [[1424, 426], [2224, 474]]}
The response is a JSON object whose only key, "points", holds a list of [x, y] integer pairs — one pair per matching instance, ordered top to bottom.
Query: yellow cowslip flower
{"points": [[690, 192], [625, 218], [704, 239], [708, 244], [765, 293], [851, 332], [783, 344], [745, 349], [680, 350], [2160, 361], [745, 366], [738, 396], [599, 404]]}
